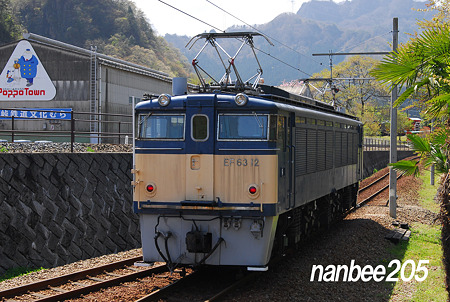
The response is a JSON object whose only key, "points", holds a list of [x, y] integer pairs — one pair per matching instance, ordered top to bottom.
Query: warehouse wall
{"points": [[60, 208]]}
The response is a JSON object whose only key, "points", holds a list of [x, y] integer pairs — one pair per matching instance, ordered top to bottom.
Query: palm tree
{"points": [[422, 65], [432, 151]]}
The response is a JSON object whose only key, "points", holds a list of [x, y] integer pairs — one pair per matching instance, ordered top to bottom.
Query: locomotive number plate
{"points": [[241, 162]]}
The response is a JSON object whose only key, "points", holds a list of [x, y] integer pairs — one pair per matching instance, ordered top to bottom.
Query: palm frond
{"points": [[407, 93], [437, 105], [419, 144], [408, 166]]}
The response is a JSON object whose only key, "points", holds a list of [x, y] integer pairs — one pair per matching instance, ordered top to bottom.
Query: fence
{"points": [[63, 125], [379, 144]]}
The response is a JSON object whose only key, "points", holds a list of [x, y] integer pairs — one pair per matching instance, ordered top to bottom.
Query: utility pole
{"points": [[393, 149], [432, 168]]}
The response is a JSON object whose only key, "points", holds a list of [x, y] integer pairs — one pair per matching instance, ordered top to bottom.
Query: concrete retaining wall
{"points": [[379, 160], [60, 208]]}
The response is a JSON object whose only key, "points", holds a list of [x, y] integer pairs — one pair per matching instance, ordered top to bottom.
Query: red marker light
{"points": [[150, 188], [252, 190]]}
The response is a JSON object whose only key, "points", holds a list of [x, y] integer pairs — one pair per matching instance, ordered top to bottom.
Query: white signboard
{"points": [[24, 78]]}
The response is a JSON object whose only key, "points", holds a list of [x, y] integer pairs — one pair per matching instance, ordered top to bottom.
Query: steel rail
{"points": [[373, 183], [377, 192], [250, 277], [45, 284], [103, 284], [160, 293]]}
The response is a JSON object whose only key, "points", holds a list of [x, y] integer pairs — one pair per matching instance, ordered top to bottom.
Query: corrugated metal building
{"points": [[85, 81]]}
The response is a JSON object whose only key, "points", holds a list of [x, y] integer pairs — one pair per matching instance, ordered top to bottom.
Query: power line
{"points": [[191, 16], [251, 26], [351, 47], [281, 61]]}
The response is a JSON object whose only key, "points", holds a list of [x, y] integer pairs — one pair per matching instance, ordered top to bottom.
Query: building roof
{"points": [[102, 59]]}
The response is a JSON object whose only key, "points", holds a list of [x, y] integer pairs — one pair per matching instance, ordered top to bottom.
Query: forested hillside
{"points": [[117, 27], [9, 28]]}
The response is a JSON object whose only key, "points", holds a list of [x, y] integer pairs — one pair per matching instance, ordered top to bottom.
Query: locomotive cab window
{"points": [[158, 126], [243, 126], [199, 128]]}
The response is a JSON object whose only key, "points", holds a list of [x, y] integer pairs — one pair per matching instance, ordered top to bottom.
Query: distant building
{"points": [[84, 80]]}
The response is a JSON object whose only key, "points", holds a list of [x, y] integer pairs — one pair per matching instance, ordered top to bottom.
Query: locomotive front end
{"points": [[206, 179]]}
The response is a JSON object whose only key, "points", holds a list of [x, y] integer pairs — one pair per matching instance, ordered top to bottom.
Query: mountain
{"points": [[117, 27], [318, 27]]}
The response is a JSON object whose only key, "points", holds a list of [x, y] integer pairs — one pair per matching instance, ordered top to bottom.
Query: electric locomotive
{"points": [[236, 172]]}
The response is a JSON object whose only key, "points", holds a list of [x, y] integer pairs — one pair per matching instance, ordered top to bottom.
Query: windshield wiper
{"points": [[145, 118], [260, 125]]}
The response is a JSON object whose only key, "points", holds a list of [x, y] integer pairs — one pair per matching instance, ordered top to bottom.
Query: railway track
{"points": [[382, 179], [379, 191], [83, 282], [199, 286]]}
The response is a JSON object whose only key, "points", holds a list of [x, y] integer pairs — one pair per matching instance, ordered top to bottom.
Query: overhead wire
{"points": [[175, 8], [261, 32], [370, 39], [268, 54]]}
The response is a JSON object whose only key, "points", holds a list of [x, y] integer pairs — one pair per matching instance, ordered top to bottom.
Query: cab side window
{"points": [[200, 131]]}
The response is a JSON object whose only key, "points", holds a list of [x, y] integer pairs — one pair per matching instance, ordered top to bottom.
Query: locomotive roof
{"points": [[266, 100]]}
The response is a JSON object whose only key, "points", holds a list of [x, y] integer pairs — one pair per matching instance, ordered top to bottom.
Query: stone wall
{"points": [[60, 208]]}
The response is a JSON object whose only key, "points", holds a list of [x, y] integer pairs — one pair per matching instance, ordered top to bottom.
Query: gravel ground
{"points": [[359, 237], [68, 269]]}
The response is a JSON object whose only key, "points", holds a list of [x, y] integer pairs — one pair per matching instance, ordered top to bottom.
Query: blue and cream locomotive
{"points": [[234, 173]]}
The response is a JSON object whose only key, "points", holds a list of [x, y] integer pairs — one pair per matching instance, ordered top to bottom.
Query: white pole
{"points": [[393, 149], [432, 166]]}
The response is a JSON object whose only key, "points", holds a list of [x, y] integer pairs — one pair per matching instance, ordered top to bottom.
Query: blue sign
{"points": [[37, 113]]}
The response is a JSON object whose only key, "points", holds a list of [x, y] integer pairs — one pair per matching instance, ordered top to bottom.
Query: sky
{"points": [[165, 19]]}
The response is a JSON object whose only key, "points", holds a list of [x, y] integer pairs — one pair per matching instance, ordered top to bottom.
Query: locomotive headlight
{"points": [[241, 99], [164, 100], [150, 188]]}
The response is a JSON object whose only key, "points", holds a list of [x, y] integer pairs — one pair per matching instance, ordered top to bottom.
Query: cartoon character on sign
{"points": [[28, 66], [13, 73]]}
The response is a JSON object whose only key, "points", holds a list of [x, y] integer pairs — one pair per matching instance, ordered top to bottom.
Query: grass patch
{"points": [[428, 192], [424, 244], [18, 271]]}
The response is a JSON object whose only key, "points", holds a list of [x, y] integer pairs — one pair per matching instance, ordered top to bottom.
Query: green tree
{"points": [[117, 27], [9, 28], [357, 90]]}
